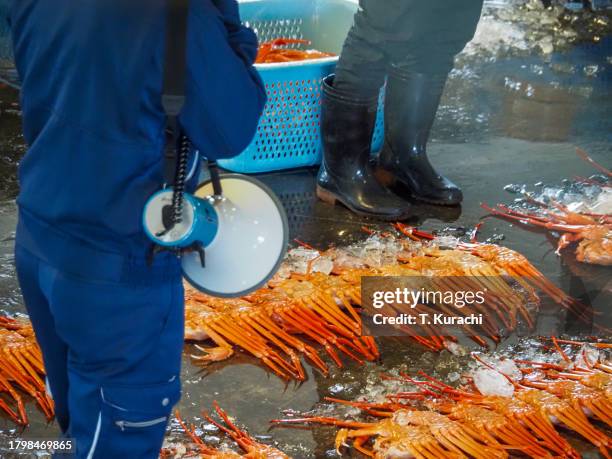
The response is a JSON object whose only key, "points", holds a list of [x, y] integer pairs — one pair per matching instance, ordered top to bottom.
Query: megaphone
{"points": [[231, 234], [238, 238]]}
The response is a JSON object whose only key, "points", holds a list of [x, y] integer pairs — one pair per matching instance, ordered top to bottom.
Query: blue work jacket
{"points": [[91, 74]]}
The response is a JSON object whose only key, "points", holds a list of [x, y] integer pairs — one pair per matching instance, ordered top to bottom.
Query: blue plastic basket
{"points": [[288, 133]]}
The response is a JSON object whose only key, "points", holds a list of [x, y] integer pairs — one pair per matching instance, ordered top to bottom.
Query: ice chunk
{"points": [[515, 188], [603, 202], [447, 242], [377, 250], [298, 259], [322, 265], [456, 348], [503, 365], [509, 368], [453, 376], [491, 382], [336, 389]]}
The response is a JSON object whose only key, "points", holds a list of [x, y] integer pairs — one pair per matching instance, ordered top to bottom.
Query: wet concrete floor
{"points": [[486, 137]]}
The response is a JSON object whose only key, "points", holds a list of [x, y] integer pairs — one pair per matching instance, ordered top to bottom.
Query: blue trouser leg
{"points": [[124, 344], [55, 350]]}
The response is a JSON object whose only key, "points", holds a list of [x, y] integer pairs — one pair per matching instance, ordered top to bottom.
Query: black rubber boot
{"points": [[411, 103], [346, 174]]}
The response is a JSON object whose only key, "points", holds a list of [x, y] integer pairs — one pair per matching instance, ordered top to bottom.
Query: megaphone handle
{"points": [[214, 178], [197, 247]]}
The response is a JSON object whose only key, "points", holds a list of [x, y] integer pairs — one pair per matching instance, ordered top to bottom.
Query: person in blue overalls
{"points": [[411, 44], [110, 326]]}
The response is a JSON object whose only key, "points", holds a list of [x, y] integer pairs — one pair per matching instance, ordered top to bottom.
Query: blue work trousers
{"points": [[112, 351]]}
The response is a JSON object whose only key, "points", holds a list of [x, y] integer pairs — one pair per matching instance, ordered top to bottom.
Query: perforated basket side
{"points": [[324, 22], [277, 28], [288, 135]]}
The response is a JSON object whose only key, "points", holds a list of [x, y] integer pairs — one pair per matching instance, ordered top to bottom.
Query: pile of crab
{"points": [[286, 50], [577, 214], [314, 303], [313, 306], [21, 370], [503, 407], [197, 447]]}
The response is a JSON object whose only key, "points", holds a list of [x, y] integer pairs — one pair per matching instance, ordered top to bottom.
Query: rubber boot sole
{"points": [[390, 181], [330, 198]]}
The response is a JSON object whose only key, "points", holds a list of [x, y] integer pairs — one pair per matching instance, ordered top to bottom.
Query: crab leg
{"points": [[584, 155], [532, 220], [413, 232], [521, 270], [502, 293], [326, 306], [349, 307], [311, 308], [507, 319], [308, 329], [321, 329], [579, 343], [371, 344], [263, 345], [257, 348], [286, 349], [223, 351], [310, 353], [34, 356], [22, 361], [10, 367], [9, 388], [589, 399], [382, 410], [569, 414], [14, 416], [532, 419], [322, 420], [190, 432], [513, 434], [239, 436], [358, 445]]}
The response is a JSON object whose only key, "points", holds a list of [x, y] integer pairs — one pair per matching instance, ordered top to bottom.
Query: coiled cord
{"points": [[179, 179]]}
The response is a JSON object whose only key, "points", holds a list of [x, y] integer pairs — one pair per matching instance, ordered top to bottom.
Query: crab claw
{"points": [[213, 354], [341, 438]]}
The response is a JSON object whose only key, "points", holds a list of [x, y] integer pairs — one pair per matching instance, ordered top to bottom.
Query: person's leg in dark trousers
{"points": [[413, 43], [419, 63], [362, 66], [350, 102], [55, 351]]}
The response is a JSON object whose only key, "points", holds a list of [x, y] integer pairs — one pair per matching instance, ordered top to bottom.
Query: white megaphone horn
{"points": [[241, 234]]}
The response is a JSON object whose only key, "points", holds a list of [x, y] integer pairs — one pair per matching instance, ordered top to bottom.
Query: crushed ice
{"points": [[491, 382]]}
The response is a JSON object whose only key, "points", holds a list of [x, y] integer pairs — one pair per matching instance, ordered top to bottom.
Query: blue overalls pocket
{"points": [[134, 419]]}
